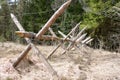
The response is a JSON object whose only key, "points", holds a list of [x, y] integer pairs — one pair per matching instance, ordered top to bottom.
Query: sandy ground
{"points": [[82, 64]]}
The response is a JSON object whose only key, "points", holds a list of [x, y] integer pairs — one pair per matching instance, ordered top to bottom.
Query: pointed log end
{"points": [[69, 1], [66, 4], [12, 15], [19, 33], [89, 41]]}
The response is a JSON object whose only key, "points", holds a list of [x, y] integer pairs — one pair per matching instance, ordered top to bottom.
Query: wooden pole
{"points": [[53, 18], [19, 26], [43, 30], [52, 32], [40, 33], [25, 34], [63, 35], [43, 37], [81, 38], [64, 39], [87, 39], [74, 40], [28, 48], [24, 53], [41, 56], [48, 57]]}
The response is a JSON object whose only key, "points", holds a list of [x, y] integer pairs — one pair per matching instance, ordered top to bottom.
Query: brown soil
{"points": [[82, 64]]}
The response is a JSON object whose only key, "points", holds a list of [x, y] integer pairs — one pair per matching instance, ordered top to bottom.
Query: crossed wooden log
{"points": [[38, 36], [80, 38], [74, 41]]}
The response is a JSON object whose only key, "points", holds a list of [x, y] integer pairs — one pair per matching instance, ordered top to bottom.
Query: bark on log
{"points": [[53, 18], [19, 26], [44, 29], [29, 35], [43, 37], [48, 37], [28, 48], [24, 53]]}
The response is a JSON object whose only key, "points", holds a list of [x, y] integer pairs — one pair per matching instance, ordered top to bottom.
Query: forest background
{"points": [[102, 18]]}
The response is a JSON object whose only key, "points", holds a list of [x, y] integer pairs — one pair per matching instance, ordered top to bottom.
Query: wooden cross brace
{"points": [[24, 34], [39, 35], [80, 38], [64, 39]]}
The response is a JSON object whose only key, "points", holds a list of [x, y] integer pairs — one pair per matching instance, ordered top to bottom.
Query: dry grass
{"points": [[83, 64]]}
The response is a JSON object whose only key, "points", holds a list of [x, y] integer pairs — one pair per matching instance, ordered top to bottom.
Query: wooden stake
{"points": [[53, 18], [19, 26], [44, 29], [52, 32], [40, 33], [61, 33], [43, 37], [81, 38], [64, 39], [87, 39], [74, 40], [28, 48], [53, 51], [24, 53], [41, 56]]}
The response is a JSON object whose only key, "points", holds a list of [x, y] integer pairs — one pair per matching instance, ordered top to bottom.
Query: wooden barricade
{"points": [[38, 36], [73, 41]]}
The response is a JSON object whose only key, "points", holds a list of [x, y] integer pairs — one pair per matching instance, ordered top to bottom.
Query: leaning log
{"points": [[53, 18], [19, 26], [43, 30], [52, 32], [62, 34], [30, 35], [81, 38], [64, 39], [74, 40], [85, 40], [88, 41], [28, 48], [24, 53]]}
